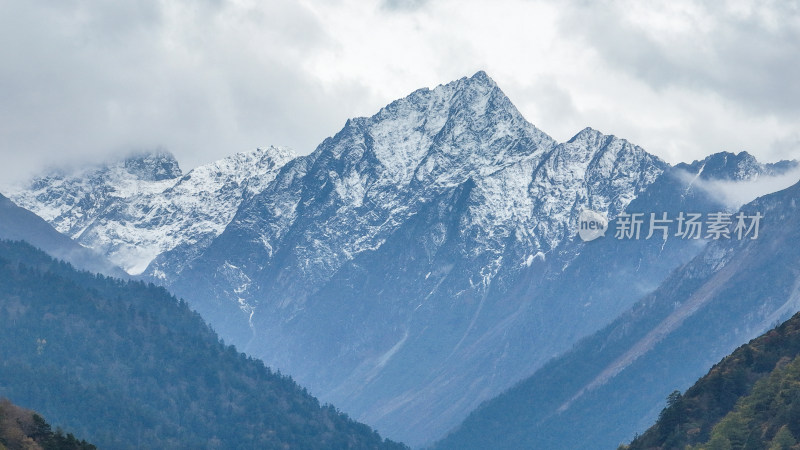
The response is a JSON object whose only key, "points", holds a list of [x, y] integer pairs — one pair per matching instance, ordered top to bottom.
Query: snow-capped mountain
{"points": [[360, 186], [134, 209], [378, 255], [417, 263], [382, 265]]}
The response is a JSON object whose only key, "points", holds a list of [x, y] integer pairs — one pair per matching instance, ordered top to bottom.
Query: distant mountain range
{"points": [[137, 208], [418, 263]]}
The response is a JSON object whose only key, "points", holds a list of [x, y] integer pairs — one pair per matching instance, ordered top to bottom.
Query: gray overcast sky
{"points": [[80, 80]]}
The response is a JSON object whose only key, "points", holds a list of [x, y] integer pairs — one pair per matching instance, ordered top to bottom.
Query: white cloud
{"points": [[683, 79], [734, 194]]}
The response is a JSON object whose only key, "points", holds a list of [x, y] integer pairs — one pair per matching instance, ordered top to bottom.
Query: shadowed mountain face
{"points": [[20, 224], [614, 382]]}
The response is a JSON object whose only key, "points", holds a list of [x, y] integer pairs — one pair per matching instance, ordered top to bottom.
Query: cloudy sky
{"points": [[80, 80]]}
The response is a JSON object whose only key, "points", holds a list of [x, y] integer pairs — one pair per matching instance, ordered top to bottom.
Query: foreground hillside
{"points": [[126, 365], [751, 399], [24, 429]]}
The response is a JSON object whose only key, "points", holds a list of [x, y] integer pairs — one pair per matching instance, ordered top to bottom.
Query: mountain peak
{"points": [[481, 75], [483, 78], [480, 83], [586, 134], [440, 135], [590, 144], [278, 152], [724, 158], [152, 165], [727, 166], [603, 171]]}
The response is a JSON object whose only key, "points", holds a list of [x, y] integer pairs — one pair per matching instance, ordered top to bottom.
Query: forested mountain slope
{"points": [[126, 365], [24, 429]]}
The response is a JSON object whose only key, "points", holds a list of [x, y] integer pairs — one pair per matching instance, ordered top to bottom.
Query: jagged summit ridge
{"points": [[468, 124], [742, 166], [592, 170], [136, 208]]}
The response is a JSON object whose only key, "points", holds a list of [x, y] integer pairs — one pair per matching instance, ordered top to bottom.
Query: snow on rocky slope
{"points": [[137, 208]]}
